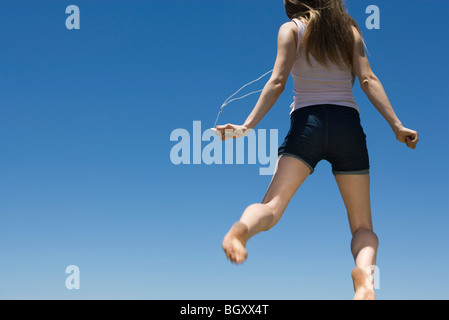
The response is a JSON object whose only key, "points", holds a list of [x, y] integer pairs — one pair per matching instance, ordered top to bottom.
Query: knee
{"points": [[276, 205], [276, 209], [270, 211], [364, 237]]}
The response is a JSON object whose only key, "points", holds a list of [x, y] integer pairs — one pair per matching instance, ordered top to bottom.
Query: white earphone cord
{"points": [[229, 100]]}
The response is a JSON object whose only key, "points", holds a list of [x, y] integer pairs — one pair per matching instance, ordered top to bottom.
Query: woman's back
{"points": [[316, 84]]}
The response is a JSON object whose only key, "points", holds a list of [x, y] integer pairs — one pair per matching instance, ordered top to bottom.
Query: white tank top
{"points": [[318, 84]]}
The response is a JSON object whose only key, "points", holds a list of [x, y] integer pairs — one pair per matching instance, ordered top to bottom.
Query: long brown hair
{"points": [[329, 35]]}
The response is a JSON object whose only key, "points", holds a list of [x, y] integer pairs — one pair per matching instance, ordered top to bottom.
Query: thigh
{"points": [[289, 175], [355, 191]]}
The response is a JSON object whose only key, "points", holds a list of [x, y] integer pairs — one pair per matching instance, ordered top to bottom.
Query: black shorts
{"points": [[330, 132]]}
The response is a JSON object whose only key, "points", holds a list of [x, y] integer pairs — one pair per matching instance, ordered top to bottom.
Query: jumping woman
{"points": [[323, 49]]}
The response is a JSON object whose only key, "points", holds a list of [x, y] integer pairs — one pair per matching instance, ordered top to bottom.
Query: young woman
{"points": [[323, 49]]}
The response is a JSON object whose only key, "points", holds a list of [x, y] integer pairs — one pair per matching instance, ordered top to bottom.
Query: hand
{"points": [[231, 131], [407, 136]]}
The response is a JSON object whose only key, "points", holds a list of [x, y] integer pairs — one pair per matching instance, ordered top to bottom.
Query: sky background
{"points": [[86, 177]]}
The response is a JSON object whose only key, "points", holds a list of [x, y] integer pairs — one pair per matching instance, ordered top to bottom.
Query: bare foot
{"points": [[234, 243], [362, 287]]}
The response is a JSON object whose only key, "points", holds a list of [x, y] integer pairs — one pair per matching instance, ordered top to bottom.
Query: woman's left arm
{"points": [[287, 44]]}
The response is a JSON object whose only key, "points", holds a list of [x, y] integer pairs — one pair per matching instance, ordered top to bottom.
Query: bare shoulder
{"points": [[288, 27], [288, 31], [357, 36], [359, 44]]}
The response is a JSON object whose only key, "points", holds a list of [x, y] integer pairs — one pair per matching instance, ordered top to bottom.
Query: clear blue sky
{"points": [[86, 177]]}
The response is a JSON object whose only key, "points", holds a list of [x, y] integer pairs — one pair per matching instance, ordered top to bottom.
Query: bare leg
{"points": [[289, 174], [355, 191]]}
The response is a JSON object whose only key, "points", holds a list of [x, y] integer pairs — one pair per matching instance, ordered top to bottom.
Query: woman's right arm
{"points": [[375, 92]]}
